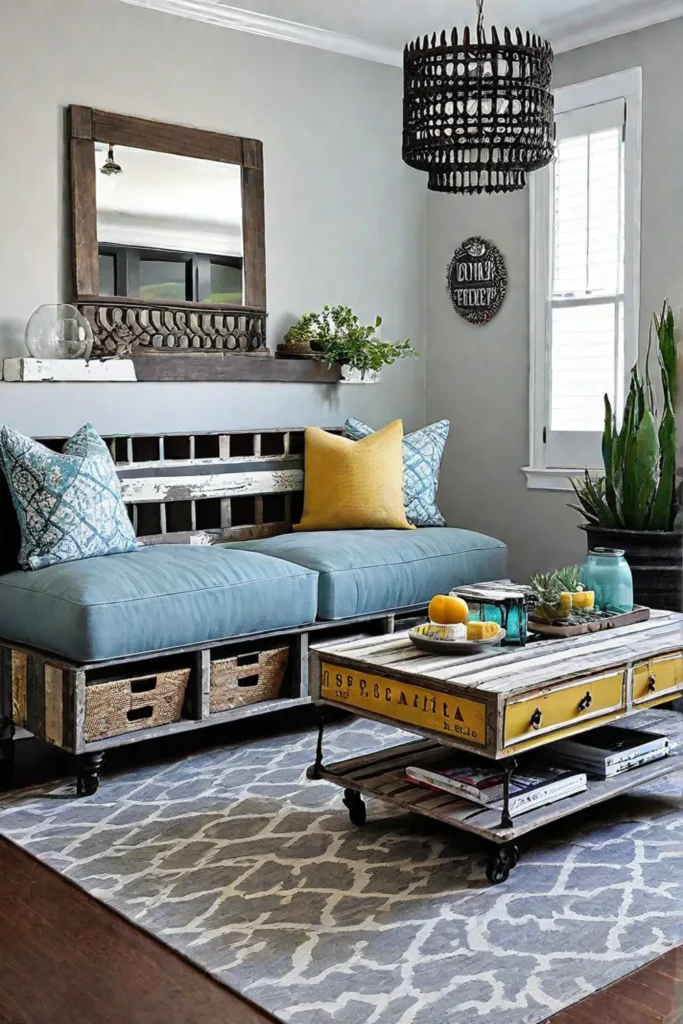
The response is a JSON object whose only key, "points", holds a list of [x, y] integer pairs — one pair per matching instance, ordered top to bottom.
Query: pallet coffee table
{"points": [[497, 704]]}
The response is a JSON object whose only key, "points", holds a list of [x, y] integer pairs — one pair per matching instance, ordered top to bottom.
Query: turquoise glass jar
{"points": [[608, 573], [512, 616]]}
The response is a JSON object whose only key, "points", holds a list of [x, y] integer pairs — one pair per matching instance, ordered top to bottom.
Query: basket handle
{"points": [[248, 659], [249, 681], [143, 685], [136, 714]]}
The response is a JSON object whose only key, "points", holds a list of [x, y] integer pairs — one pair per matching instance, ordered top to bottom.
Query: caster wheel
{"points": [[87, 785], [356, 806], [515, 854], [501, 863]]}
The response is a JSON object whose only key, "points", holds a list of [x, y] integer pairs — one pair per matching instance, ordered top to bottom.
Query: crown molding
{"points": [[216, 13], [567, 35], [570, 36]]}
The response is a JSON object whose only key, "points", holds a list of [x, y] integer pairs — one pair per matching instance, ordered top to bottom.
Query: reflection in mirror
{"points": [[169, 228]]}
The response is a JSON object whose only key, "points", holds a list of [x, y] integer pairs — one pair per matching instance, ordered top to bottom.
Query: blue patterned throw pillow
{"points": [[422, 454], [68, 505]]}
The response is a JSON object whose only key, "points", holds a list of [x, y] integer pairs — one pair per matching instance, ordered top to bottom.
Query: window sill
{"points": [[551, 479]]}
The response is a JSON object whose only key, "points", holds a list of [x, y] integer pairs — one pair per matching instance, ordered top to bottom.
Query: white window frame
{"points": [[626, 86]]}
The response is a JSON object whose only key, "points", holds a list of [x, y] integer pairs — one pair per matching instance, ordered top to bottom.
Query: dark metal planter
{"points": [[655, 558]]}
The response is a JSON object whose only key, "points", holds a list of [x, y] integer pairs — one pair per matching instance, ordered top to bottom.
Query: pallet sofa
{"points": [[210, 620]]}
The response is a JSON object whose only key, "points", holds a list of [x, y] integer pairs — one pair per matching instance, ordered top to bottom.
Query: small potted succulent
{"points": [[336, 336], [558, 594]]}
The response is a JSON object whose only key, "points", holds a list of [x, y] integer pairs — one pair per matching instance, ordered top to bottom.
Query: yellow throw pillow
{"points": [[354, 485]]}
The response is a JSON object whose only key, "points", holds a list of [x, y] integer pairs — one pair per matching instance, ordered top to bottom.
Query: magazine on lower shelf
{"points": [[609, 750], [530, 786]]}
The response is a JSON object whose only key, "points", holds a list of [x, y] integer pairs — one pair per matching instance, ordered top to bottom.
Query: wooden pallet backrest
{"points": [[207, 488]]}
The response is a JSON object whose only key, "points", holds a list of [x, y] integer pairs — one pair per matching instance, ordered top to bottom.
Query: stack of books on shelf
{"points": [[609, 750], [560, 770], [531, 786]]}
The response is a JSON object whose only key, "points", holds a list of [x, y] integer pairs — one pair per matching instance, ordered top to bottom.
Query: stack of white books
{"points": [[609, 750]]}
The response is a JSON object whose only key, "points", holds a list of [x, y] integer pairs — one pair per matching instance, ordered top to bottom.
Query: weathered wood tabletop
{"points": [[508, 699]]}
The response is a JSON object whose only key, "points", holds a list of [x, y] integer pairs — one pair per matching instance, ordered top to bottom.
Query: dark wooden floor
{"points": [[67, 959]]}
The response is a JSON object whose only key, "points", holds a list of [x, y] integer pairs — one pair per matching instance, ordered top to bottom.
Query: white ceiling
{"points": [[395, 22]]}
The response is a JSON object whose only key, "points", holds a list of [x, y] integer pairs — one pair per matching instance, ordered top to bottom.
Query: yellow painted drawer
{"points": [[658, 680], [567, 706]]}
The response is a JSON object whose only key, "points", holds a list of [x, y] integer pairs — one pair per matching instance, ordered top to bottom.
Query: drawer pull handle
{"points": [[652, 683], [586, 701], [537, 718]]}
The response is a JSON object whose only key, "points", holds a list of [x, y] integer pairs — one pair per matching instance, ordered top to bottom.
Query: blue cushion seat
{"points": [[366, 571], [155, 598]]}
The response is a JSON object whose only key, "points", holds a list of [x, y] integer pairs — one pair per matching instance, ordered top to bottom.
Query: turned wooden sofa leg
{"points": [[89, 766]]}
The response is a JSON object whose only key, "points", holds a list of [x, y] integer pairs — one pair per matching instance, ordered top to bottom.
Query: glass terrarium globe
{"points": [[58, 331]]}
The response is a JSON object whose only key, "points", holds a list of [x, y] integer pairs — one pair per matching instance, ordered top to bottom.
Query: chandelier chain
{"points": [[480, 20]]}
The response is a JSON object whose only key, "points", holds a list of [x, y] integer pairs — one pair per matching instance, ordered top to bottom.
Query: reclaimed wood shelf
{"points": [[228, 366], [264, 707], [382, 774]]}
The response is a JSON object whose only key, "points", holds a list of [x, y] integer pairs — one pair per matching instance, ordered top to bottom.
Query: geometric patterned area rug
{"points": [[234, 858]]}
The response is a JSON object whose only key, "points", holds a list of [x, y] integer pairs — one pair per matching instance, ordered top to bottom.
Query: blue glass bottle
{"points": [[608, 573]]}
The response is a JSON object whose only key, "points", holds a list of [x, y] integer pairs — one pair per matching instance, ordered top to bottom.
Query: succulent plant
{"points": [[638, 491], [547, 587]]}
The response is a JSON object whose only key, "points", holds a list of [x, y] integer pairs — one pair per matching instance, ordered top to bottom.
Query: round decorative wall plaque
{"points": [[477, 280]]}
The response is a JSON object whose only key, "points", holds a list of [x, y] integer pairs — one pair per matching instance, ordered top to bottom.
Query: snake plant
{"points": [[637, 491]]}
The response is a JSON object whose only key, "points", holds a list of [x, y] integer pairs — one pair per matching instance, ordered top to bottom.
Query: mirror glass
{"points": [[169, 228]]}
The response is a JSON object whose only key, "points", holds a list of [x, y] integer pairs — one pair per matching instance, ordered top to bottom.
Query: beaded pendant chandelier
{"points": [[478, 115]]}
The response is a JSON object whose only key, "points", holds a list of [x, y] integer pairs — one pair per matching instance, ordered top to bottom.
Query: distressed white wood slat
{"points": [[20, 369], [238, 460], [185, 488], [365, 644], [547, 653], [397, 657], [430, 665]]}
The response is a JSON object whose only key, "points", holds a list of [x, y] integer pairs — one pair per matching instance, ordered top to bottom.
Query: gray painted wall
{"points": [[345, 218], [346, 222], [479, 376]]}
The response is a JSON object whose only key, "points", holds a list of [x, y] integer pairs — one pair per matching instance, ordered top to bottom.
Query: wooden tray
{"points": [[639, 614]]}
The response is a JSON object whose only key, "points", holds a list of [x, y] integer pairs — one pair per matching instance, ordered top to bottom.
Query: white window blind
{"points": [[584, 330]]}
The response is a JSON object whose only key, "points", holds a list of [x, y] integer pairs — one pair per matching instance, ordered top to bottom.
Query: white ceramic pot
{"points": [[352, 375]]}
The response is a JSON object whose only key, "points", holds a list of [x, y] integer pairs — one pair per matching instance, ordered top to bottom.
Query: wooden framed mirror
{"points": [[169, 244]]}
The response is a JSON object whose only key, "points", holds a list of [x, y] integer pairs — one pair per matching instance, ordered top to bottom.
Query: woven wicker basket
{"points": [[247, 679], [126, 705]]}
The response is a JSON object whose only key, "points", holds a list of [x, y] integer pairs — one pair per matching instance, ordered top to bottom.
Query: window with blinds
{"points": [[584, 225]]}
